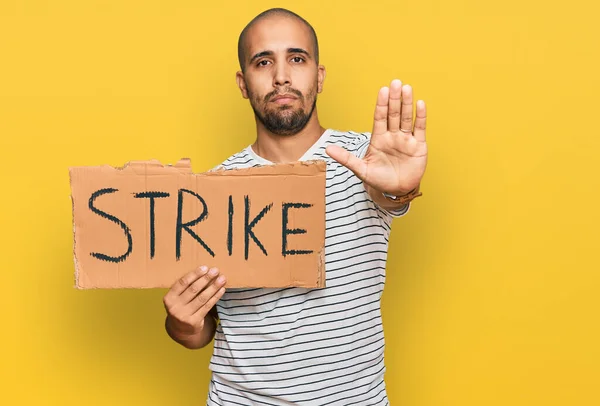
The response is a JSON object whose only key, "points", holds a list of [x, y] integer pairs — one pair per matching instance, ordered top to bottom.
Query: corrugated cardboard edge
{"points": [[263, 170], [74, 236], [321, 271]]}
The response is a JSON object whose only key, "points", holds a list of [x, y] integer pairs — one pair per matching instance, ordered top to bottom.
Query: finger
{"points": [[394, 106], [407, 109], [381, 112], [420, 121], [350, 161], [185, 281], [198, 286], [207, 299], [210, 303]]}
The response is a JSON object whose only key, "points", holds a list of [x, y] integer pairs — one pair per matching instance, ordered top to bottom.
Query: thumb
{"points": [[350, 161]]}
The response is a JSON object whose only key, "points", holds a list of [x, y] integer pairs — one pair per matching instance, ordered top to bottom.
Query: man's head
{"points": [[278, 54]]}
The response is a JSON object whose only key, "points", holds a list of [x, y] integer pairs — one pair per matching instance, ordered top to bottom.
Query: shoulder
{"points": [[353, 141], [241, 159]]}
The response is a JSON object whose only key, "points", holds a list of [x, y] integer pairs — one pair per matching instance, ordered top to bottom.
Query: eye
{"points": [[298, 59], [264, 62]]}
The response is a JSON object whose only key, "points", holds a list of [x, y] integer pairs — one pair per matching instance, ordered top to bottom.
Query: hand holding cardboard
{"points": [[188, 304]]}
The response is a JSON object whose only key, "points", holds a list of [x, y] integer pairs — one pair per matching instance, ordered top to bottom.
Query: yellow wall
{"points": [[491, 297]]}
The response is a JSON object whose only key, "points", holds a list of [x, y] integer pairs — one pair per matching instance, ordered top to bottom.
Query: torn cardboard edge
{"points": [[184, 165]]}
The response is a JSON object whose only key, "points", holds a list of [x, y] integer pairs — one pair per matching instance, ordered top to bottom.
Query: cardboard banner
{"points": [[145, 225]]}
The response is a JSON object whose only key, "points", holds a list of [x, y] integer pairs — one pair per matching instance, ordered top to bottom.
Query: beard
{"points": [[283, 120]]}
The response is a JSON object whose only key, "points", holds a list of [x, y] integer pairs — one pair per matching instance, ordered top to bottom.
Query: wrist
{"points": [[403, 197], [199, 337]]}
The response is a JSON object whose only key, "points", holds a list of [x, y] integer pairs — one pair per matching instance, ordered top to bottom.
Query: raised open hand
{"points": [[396, 158]]}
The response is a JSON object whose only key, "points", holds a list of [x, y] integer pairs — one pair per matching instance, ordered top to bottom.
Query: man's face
{"points": [[281, 77]]}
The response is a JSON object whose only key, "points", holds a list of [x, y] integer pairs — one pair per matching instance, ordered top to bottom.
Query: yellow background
{"points": [[493, 277]]}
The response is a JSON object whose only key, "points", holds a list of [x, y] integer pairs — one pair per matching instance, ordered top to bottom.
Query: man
{"points": [[296, 345]]}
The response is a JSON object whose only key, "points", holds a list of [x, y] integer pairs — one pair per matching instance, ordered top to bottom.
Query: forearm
{"points": [[192, 341]]}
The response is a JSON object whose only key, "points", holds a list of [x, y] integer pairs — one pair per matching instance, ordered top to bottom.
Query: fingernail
{"points": [[203, 268], [213, 271], [221, 279]]}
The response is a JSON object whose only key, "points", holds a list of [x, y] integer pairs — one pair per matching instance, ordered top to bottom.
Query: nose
{"points": [[282, 75]]}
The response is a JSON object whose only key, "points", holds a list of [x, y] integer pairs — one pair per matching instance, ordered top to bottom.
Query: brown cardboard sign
{"points": [[146, 224]]}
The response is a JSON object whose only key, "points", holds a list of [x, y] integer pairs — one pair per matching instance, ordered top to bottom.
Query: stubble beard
{"points": [[283, 120]]}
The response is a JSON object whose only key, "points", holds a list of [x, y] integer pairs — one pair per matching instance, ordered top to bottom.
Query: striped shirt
{"points": [[312, 346]]}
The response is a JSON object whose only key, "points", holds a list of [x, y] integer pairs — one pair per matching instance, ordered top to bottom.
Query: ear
{"points": [[320, 78], [241, 82]]}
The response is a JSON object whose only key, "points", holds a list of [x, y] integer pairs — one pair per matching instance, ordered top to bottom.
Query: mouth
{"points": [[284, 99]]}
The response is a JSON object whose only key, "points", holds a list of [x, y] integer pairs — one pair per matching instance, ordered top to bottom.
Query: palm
{"points": [[396, 158]]}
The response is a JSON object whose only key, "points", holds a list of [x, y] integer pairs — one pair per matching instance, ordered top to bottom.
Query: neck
{"points": [[286, 148]]}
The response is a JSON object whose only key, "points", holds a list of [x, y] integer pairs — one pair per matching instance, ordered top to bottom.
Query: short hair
{"points": [[269, 13]]}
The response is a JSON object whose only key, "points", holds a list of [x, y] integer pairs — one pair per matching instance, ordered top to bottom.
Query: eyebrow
{"points": [[289, 51]]}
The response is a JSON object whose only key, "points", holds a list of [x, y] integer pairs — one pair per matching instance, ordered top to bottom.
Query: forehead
{"points": [[278, 33]]}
